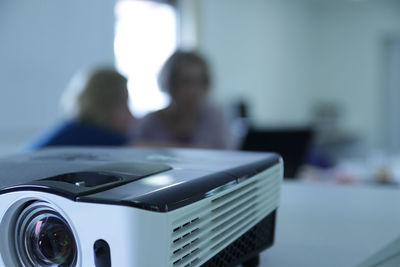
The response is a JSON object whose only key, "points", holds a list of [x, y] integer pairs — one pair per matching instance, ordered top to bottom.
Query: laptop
{"points": [[291, 143]]}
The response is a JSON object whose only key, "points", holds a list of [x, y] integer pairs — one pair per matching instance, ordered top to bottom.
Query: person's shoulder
{"points": [[213, 112], [152, 117], [148, 124], [72, 125], [77, 132], [50, 136]]}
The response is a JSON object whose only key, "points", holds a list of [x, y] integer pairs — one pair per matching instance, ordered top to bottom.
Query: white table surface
{"points": [[332, 225]]}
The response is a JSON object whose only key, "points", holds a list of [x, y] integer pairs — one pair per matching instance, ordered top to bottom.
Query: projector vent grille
{"points": [[207, 227], [254, 240]]}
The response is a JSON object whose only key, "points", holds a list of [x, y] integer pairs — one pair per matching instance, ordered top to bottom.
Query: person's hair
{"points": [[174, 65], [93, 96]]}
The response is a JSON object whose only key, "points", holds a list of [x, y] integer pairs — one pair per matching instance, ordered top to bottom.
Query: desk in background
{"points": [[332, 225]]}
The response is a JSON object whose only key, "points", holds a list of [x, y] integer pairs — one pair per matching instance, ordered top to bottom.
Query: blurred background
{"points": [[326, 72]]}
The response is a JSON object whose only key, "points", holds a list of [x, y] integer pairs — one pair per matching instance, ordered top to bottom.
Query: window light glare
{"points": [[145, 36]]}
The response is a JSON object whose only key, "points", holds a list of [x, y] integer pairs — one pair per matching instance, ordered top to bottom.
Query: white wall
{"points": [[42, 43], [260, 51], [285, 56], [349, 60], [392, 110]]}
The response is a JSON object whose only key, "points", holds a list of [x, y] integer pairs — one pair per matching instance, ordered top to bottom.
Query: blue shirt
{"points": [[76, 133]]}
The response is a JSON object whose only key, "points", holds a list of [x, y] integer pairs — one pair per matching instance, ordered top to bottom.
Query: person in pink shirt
{"points": [[189, 120]]}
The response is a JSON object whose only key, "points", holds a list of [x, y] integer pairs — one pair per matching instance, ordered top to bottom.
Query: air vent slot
{"points": [[205, 228]]}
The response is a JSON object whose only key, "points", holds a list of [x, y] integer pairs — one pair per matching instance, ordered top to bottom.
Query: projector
{"points": [[141, 207]]}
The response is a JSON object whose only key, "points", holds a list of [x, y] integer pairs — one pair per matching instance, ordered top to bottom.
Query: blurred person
{"points": [[97, 113], [189, 120]]}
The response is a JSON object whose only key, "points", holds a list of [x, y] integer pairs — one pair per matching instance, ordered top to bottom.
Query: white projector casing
{"points": [[185, 208]]}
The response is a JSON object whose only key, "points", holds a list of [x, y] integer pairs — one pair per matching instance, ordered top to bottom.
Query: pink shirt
{"points": [[210, 131]]}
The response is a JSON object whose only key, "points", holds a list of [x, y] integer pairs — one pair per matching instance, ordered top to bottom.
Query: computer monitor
{"points": [[291, 143]]}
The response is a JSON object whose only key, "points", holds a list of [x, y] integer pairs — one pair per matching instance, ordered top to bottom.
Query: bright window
{"points": [[145, 36]]}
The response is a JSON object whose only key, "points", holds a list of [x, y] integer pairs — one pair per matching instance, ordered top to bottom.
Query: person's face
{"points": [[191, 87]]}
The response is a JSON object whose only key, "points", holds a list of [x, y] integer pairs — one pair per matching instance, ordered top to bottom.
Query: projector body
{"points": [[137, 207]]}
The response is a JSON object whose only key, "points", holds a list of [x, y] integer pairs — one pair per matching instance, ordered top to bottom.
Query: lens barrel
{"points": [[43, 237]]}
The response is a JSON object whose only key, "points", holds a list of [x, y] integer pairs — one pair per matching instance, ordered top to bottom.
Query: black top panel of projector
{"points": [[153, 179]]}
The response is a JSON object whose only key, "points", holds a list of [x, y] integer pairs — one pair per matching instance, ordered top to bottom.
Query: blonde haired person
{"points": [[97, 112]]}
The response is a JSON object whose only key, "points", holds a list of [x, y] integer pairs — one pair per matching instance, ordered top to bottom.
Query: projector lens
{"points": [[43, 238], [50, 240]]}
